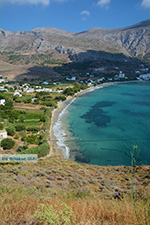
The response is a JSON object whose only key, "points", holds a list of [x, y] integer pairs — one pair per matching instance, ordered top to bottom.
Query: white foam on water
{"points": [[60, 134]]}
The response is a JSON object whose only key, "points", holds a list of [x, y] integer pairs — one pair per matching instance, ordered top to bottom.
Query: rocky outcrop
{"points": [[132, 41]]}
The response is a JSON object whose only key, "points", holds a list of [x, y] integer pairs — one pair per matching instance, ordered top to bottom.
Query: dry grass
{"points": [[88, 190], [13, 211], [86, 211], [107, 212]]}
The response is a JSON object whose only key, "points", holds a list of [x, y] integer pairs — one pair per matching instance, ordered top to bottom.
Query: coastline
{"points": [[56, 113], [55, 149]]}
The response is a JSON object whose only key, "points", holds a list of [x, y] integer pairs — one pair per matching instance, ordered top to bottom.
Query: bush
{"points": [[69, 91], [62, 98], [50, 103], [48, 115], [42, 118], [1, 126], [20, 127], [33, 129], [11, 130], [22, 133], [16, 136], [31, 139], [7, 143], [22, 148], [41, 150], [55, 214]]}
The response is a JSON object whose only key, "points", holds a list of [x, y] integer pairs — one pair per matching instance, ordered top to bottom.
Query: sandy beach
{"points": [[54, 148]]}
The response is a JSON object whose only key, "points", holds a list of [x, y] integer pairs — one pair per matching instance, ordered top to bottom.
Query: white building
{"points": [[99, 69], [121, 75], [145, 76], [72, 78], [2, 80], [45, 82], [28, 90], [44, 90], [17, 94], [2, 101], [3, 134]]}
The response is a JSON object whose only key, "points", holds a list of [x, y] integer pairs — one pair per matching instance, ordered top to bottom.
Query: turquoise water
{"points": [[103, 126]]}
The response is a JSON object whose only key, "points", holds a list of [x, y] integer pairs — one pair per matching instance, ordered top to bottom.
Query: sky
{"points": [[71, 15]]}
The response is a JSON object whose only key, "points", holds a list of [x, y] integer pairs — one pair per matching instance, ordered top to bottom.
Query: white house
{"points": [[121, 75], [145, 76], [2, 80], [45, 82], [17, 94], [2, 101], [3, 134]]}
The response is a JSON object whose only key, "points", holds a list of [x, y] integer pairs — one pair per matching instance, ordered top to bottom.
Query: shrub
{"points": [[69, 91], [62, 98], [50, 103], [48, 115], [42, 118], [1, 126], [20, 127], [33, 129], [11, 130], [22, 133], [16, 136], [31, 139], [7, 143], [22, 148], [41, 150], [55, 214]]}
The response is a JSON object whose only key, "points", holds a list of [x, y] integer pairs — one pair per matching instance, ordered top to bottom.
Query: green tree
{"points": [[1, 126], [20, 127], [11, 130], [7, 143]]}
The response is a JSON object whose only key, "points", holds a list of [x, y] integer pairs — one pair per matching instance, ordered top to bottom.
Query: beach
{"points": [[56, 148]]}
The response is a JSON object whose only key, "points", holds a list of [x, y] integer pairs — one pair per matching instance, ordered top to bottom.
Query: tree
{"points": [[9, 103], [1, 126], [20, 127], [11, 130], [7, 143]]}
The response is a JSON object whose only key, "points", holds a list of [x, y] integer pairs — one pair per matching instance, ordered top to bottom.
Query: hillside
{"points": [[132, 41], [22, 51], [97, 195]]}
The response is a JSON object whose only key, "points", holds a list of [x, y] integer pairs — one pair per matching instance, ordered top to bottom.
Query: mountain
{"points": [[58, 46]]}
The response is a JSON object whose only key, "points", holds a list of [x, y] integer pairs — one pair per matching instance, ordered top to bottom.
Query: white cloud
{"points": [[22, 2], [33, 2], [103, 3], [146, 3], [85, 13]]}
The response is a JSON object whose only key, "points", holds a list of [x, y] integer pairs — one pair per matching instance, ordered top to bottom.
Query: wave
{"points": [[60, 134]]}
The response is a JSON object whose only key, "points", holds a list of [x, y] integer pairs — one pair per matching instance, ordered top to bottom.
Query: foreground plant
{"points": [[60, 214]]}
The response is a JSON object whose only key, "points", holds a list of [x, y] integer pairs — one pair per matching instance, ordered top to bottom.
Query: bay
{"points": [[106, 126]]}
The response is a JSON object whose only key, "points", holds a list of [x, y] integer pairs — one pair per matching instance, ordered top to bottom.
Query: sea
{"points": [[107, 126]]}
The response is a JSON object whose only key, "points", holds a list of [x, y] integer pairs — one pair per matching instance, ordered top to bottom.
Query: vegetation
{"points": [[77, 87], [1, 126], [11, 130], [7, 143], [41, 150], [59, 191]]}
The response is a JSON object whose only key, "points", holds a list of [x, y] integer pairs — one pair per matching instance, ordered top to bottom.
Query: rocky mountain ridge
{"points": [[133, 41]]}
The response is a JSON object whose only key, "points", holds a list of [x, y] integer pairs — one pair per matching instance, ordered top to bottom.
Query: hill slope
{"points": [[132, 41], [95, 195]]}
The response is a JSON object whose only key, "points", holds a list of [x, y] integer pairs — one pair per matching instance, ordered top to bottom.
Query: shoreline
{"points": [[53, 139], [54, 148]]}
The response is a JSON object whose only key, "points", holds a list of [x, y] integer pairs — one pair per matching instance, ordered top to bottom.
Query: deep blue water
{"points": [[104, 126]]}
